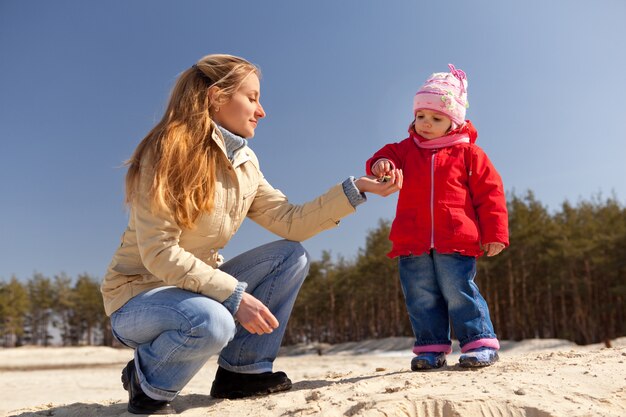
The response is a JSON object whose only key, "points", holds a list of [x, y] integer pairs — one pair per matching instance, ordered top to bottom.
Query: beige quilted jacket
{"points": [[155, 251]]}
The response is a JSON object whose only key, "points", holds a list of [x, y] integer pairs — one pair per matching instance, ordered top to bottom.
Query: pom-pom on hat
{"points": [[445, 92]]}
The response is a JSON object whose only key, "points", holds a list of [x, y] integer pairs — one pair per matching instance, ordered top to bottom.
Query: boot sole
{"points": [[474, 363], [426, 366], [233, 395], [134, 410]]}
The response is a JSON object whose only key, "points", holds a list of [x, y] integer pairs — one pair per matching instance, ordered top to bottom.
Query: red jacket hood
{"points": [[466, 127]]}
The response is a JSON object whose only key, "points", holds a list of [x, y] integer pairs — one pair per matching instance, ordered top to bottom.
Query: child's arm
{"points": [[384, 161], [489, 201], [494, 248]]}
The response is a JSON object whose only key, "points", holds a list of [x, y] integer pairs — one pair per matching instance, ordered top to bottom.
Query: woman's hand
{"points": [[369, 184], [492, 249], [254, 316]]}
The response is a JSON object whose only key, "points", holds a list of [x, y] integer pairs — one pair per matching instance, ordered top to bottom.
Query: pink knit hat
{"points": [[445, 92]]}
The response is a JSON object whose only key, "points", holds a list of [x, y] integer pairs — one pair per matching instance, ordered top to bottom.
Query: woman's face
{"points": [[242, 112]]}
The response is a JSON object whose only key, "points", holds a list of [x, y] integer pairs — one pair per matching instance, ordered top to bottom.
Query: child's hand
{"points": [[382, 168], [494, 248]]}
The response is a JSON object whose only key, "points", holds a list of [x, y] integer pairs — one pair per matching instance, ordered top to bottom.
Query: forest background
{"points": [[83, 81], [563, 276]]}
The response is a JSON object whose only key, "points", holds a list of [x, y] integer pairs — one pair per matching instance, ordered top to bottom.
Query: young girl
{"points": [[451, 209]]}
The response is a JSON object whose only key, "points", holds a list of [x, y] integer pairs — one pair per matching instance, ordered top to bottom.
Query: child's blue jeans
{"points": [[439, 289], [174, 332]]}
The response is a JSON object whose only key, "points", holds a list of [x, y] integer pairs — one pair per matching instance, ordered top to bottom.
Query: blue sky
{"points": [[83, 81]]}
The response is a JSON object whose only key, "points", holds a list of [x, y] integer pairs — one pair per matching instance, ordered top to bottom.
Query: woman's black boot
{"points": [[233, 385], [138, 401]]}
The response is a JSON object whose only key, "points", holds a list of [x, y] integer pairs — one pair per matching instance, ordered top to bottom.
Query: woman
{"points": [[190, 183]]}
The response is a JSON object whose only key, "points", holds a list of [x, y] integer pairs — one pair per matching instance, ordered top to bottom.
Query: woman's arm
{"points": [[272, 210]]}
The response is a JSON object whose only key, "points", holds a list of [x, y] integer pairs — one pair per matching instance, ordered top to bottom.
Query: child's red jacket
{"points": [[452, 198]]}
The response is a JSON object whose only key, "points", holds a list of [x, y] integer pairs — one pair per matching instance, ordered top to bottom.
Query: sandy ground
{"points": [[535, 378]]}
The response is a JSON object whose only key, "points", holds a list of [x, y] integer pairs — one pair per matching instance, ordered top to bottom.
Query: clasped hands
{"points": [[386, 179]]}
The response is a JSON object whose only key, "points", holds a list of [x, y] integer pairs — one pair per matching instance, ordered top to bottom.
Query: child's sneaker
{"points": [[477, 358], [428, 360]]}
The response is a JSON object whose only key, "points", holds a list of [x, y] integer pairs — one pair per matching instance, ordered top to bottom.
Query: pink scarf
{"points": [[442, 142]]}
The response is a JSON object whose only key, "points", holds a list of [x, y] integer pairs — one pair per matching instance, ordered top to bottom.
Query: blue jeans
{"points": [[439, 289], [174, 332]]}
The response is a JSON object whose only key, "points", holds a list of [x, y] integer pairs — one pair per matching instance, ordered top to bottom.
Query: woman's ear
{"points": [[214, 94]]}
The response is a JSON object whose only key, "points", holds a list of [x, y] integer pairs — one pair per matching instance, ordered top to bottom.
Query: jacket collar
{"points": [[232, 142], [233, 146]]}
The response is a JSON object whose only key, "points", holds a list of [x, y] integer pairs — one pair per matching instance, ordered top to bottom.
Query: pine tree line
{"points": [[564, 276], [31, 312]]}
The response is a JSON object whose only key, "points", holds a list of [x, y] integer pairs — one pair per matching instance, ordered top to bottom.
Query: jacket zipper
{"points": [[432, 199]]}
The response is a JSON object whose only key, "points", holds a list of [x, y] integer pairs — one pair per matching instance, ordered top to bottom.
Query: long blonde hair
{"points": [[182, 154]]}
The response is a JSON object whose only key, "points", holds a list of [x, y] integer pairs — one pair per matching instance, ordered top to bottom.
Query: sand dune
{"points": [[535, 378]]}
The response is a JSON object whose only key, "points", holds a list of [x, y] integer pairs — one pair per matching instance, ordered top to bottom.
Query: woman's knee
{"points": [[299, 256], [212, 325]]}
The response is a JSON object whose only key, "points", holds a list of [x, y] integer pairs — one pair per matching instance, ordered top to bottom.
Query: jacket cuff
{"points": [[352, 192], [233, 301]]}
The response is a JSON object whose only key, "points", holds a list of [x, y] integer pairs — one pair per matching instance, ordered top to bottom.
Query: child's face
{"points": [[431, 124]]}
